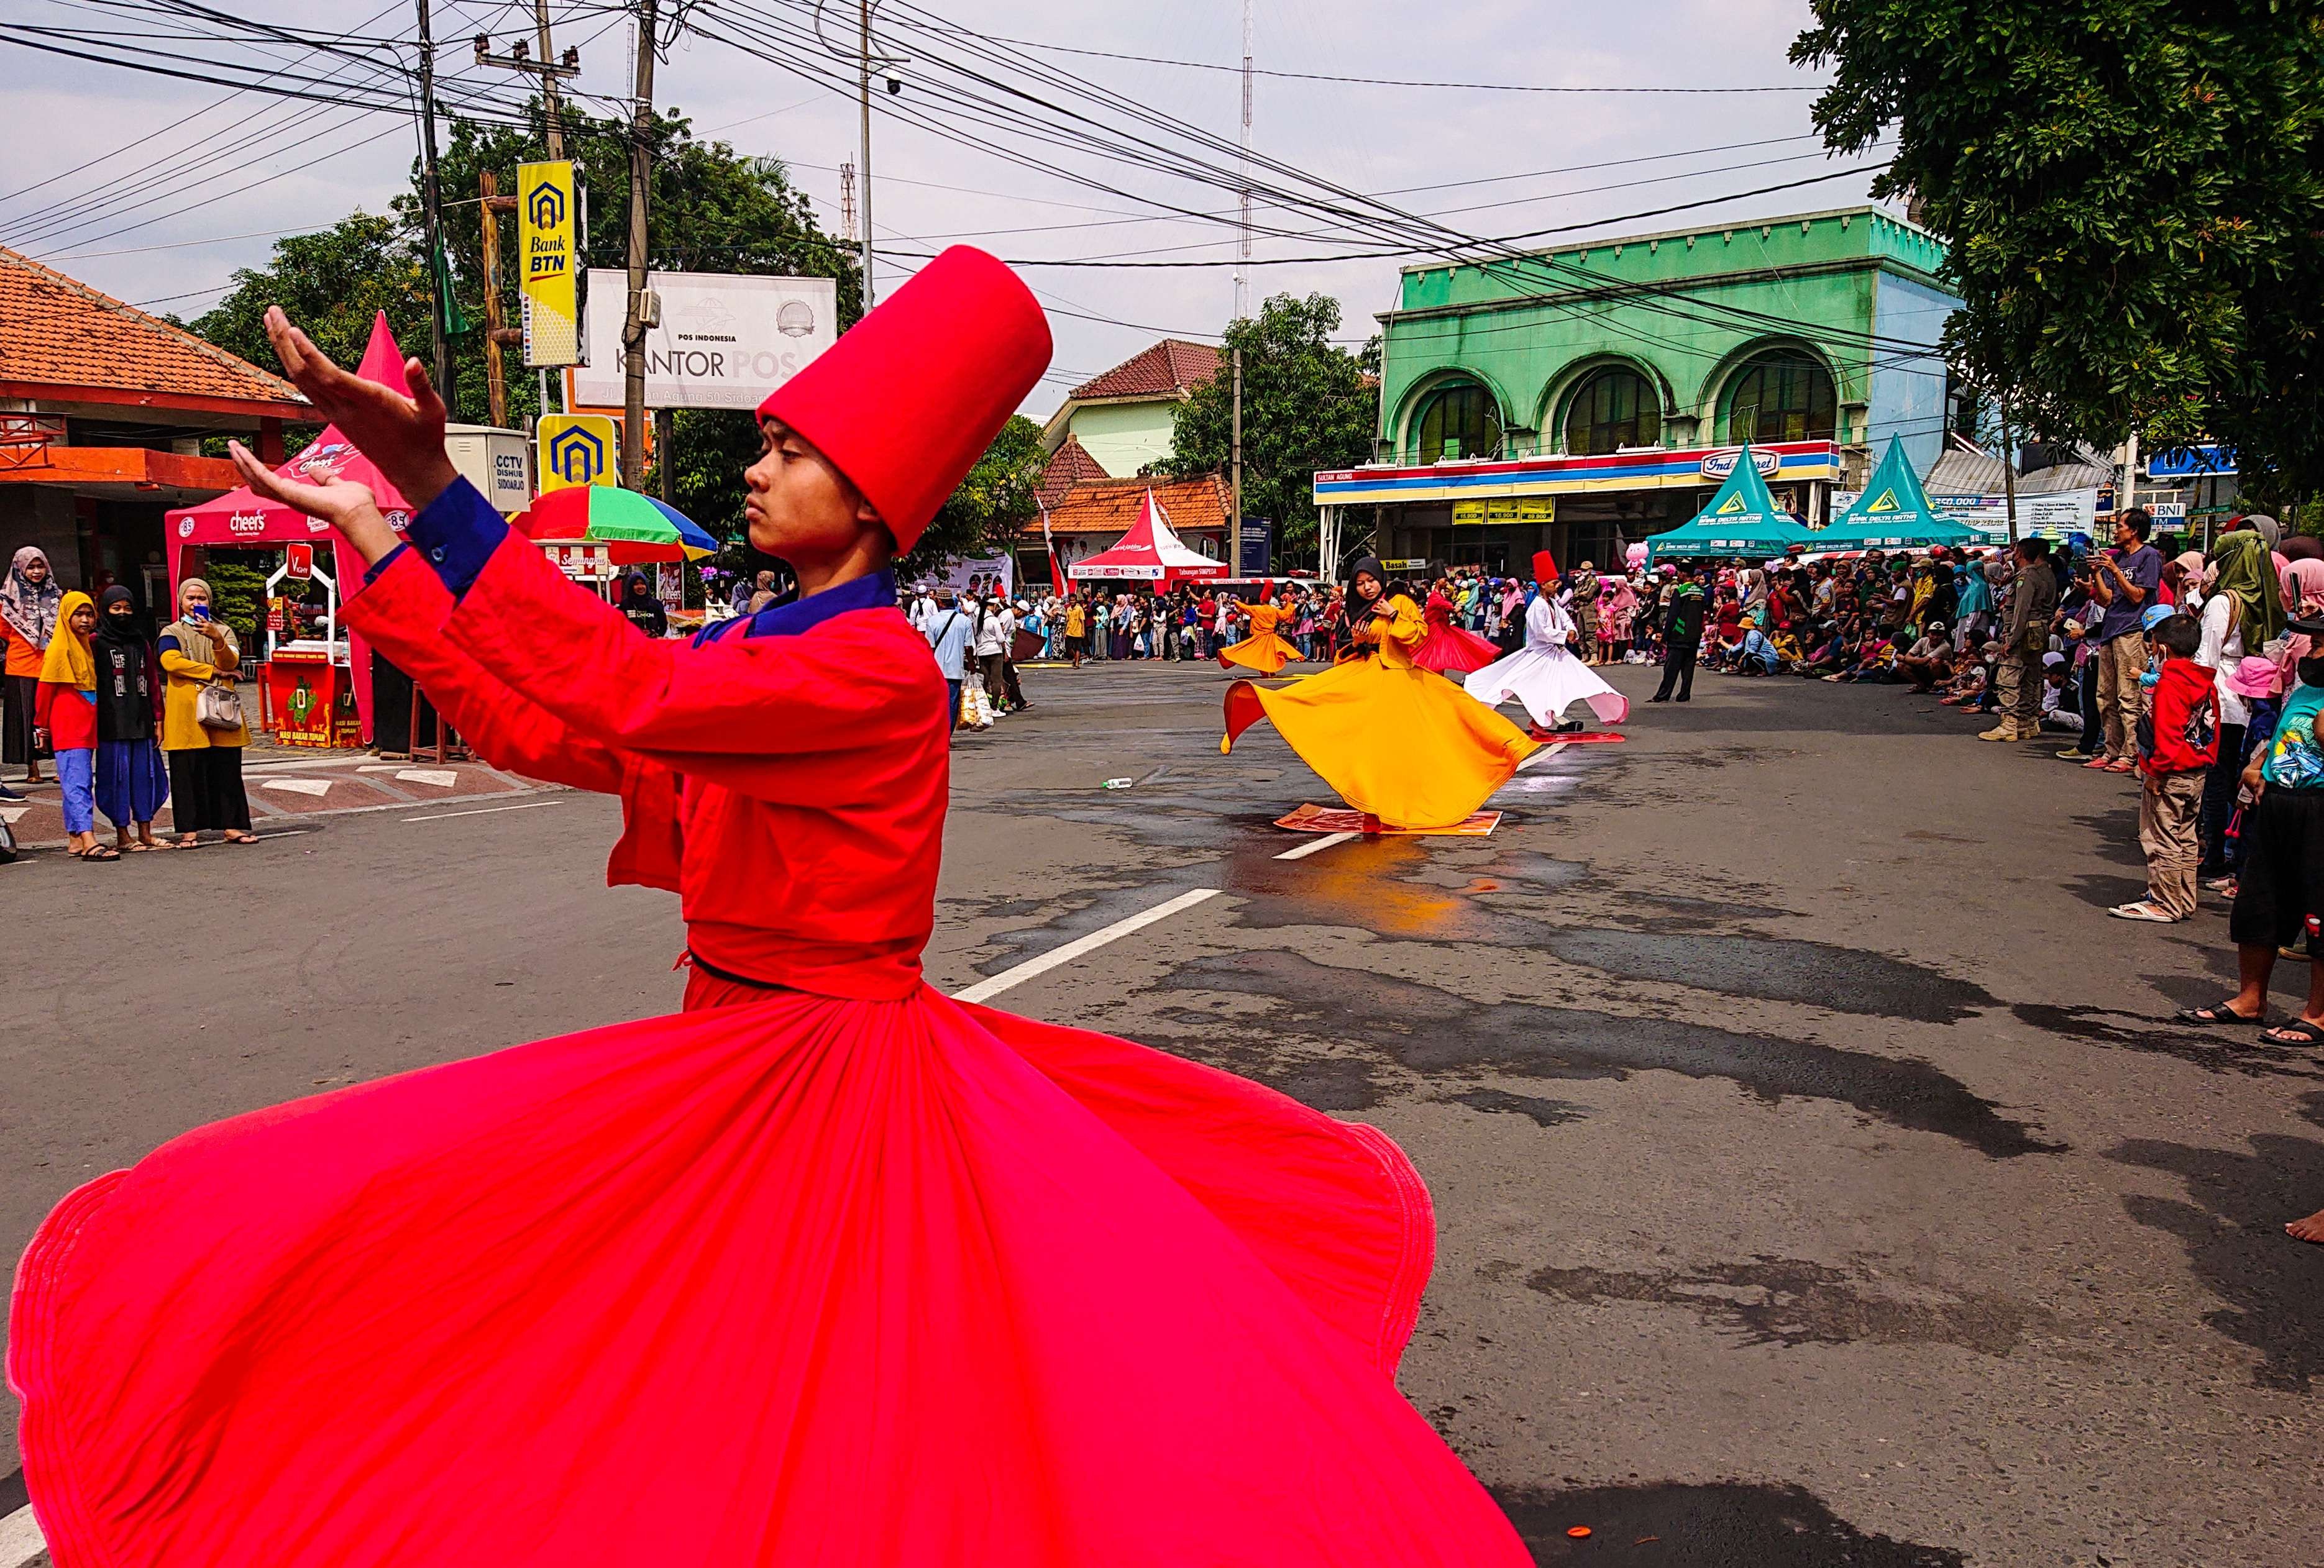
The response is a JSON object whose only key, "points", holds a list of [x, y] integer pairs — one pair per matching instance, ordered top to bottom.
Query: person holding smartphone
{"points": [[205, 789]]}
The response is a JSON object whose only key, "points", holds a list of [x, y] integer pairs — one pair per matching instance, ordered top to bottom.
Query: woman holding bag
{"points": [[202, 731]]}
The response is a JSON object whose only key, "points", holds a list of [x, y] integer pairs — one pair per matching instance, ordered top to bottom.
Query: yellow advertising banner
{"points": [[550, 282], [578, 449], [1506, 509]]}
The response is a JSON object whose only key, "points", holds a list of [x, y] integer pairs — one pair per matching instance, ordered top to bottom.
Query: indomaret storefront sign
{"points": [[1780, 463]]}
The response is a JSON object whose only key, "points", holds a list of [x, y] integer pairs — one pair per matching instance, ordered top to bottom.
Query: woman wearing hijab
{"points": [[642, 609], [28, 619], [199, 651], [67, 708], [1401, 744], [132, 780]]}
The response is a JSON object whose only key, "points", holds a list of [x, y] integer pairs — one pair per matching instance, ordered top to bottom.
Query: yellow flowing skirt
{"points": [[1263, 651], [1405, 745]]}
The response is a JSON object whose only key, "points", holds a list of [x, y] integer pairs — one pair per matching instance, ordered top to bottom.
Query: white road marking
{"points": [[1543, 755], [380, 767], [442, 778], [317, 787], [480, 811], [12, 813], [1313, 845], [1017, 975], [20, 1538]]}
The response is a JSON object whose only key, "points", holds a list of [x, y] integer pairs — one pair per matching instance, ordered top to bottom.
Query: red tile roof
{"points": [[60, 333], [1171, 368], [1070, 465], [1111, 505]]}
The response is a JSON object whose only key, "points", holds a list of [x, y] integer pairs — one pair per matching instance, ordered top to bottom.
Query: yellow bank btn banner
{"points": [[550, 279]]}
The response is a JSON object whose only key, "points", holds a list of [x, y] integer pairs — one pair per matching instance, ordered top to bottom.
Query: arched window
{"points": [[1784, 396], [1611, 409], [1460, 420]]}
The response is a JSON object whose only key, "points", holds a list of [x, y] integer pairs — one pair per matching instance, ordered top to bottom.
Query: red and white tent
{"points": [[242, 517], [1149, 552]]}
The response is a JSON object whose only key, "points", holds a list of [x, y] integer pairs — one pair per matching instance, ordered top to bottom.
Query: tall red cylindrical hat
{"points": [[906, 401], [1545, 566]]}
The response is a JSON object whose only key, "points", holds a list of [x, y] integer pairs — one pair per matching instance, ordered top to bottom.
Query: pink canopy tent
{"points": [[243, 517], [1149, 552]]}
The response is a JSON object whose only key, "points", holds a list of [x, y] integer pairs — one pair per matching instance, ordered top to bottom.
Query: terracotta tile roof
{"points": [[57, 331], [1171, 368], [1069, 465], [1110, 506]]}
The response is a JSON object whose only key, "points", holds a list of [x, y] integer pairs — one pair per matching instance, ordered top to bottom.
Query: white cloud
{"points": [[57, 113]]}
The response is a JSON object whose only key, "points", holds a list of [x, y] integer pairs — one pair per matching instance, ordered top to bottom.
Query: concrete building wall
{"points": [[1530, 331], [1908, 391], [1125, 436], [43, 515]]}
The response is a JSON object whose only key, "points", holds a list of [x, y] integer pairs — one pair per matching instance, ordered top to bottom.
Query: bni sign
{"points": [[724, 341]]}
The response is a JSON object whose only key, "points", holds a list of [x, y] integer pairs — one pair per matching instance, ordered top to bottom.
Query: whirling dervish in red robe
{"points": [[1449, 649], [825, 1269]]}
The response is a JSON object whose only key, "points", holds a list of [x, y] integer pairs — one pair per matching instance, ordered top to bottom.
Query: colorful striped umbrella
{"points": [[636, 529]]}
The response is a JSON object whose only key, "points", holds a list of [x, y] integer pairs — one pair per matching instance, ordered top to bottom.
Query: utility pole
{"points": [[548, 81], [863, 107], [488, 187], [432, 206], [1242, 245], [643, 310], [1237, 455], [2008, 470]]}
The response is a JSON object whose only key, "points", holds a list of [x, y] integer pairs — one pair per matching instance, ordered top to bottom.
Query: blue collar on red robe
{"points": [[790, 615]]}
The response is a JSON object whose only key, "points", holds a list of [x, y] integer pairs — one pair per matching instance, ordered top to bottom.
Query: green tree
{"points": [[2131, 192], [334, 283], [1305, 405], [997, 499]]}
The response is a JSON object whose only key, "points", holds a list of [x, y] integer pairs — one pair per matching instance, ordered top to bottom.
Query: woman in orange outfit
{"points": [[1262, 651], [1400, 744]]}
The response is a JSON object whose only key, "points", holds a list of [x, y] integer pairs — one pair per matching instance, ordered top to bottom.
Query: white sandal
{"points": [[2142, 911]]}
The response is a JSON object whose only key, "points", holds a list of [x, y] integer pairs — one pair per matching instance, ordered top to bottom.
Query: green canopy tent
{"points": [[1893, 513], [1742, 520]]}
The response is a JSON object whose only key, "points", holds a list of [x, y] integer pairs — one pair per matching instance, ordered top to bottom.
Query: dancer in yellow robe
{"points": [[1263, 650], [1401, 744]]}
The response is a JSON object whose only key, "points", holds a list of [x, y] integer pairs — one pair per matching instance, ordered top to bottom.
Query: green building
{"points": [[1584, 397]]}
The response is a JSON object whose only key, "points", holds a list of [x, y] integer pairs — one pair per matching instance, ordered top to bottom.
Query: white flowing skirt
{"points": [[1547, 681]]}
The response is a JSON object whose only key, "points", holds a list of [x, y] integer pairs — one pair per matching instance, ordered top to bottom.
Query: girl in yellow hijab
{"points": [[65, 707]]}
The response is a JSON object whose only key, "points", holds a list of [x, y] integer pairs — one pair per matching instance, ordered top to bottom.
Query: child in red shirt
{"points": [[2178, 742]]}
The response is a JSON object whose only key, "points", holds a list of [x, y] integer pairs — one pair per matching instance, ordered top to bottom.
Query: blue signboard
{"points": [[2201, 462], [1255, 548]]}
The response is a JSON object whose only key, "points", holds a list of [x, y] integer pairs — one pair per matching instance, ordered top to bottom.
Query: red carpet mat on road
{"points": [[1577, 737], [1313, 818]]}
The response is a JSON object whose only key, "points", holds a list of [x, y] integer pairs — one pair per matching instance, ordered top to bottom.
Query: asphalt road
{"points": [[1818, 1181]]}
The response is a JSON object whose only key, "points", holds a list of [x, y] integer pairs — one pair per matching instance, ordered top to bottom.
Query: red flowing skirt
{"points": [[1452, 649], [797, 1281]]}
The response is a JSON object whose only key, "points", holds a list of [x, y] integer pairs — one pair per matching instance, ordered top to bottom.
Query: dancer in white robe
{"points": [[1545, 675]]}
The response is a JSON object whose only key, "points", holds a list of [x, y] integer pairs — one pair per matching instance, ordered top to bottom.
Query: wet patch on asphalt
{"points": [[1778, 969], [1431, 1032], [2215, 1050], [1543, 1112], [2231, 1223], [1792, 1301], [1727, 1524]]}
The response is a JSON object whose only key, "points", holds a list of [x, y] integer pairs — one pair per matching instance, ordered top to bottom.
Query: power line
{"points": [[1307, 76]]}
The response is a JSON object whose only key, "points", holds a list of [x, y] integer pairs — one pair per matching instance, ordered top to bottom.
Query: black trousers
{"points": [[1678, 669], [16, 724], [2219, 787], [205, 789]]}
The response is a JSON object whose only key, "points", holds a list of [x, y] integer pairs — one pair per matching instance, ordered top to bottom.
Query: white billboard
{"points": [[724, 341]]}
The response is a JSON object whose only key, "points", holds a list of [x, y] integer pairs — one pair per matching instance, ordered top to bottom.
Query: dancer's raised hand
{"points": [[402, 435], [345, 506]]}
